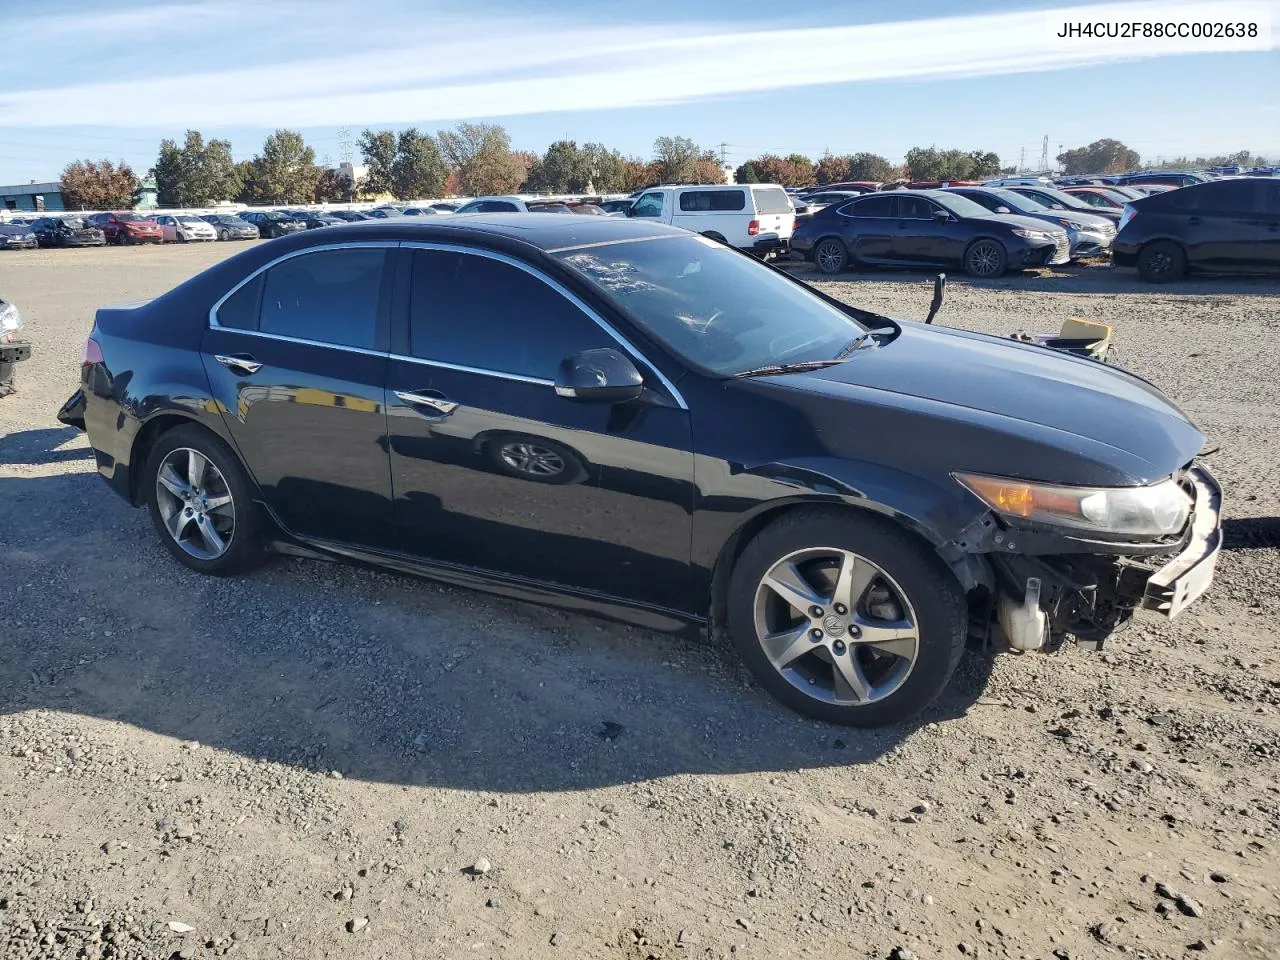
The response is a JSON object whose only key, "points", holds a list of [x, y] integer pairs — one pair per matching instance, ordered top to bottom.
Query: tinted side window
{"points": [[1225, 196], [982, 199], [697, 200], [772, 200], [498, 206], [870, 207], [914, 208], [330, 296], [240, 310], [479, 312]]}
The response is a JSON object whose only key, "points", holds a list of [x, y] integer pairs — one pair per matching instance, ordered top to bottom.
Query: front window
{"points": [[650, 205], [961, 206], [717, 309]]}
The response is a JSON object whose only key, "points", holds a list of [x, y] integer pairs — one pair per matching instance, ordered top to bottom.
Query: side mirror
{"points": [[1002, 210], [941, 216], [603, 375]]}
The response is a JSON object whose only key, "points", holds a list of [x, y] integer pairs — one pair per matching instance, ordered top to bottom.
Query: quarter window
{"points": [[705, 200], [330, 296], [240, 310], [479, 312]]}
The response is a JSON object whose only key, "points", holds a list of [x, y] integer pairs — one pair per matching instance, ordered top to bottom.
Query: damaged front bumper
{"points": [[1054, 586]]}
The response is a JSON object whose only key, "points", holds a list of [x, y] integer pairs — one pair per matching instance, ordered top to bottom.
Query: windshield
{"points": [[1066, 199], [1016, 201], [960, 206], [277, 216], [131, 218], [195, 221], [74, 223], [714, 307]]}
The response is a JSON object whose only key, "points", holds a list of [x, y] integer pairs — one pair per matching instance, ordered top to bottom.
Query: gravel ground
{"points": [[326, 761]]}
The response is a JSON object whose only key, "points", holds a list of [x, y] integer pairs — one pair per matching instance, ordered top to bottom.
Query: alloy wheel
{"points": [[830, 257], [984, 259], [531, 458], [195, 503], [836, 626]]}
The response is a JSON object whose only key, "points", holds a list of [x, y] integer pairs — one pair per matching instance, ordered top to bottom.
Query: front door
{"points": [[920, 238], [297, 361], [494, 471]]}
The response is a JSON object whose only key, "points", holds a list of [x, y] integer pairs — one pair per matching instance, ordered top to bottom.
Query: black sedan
{"points": [[350, 216], [314, 219], [273, 223], [1223, 226], [231, 227], [925, 228], [67, 232], [17, 236], [621, 417]]}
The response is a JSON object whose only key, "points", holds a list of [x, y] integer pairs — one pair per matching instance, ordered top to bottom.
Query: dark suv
{"points": [[273, 223], [1224, 226]]}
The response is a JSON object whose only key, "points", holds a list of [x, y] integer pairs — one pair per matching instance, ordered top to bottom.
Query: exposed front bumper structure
{"points": [[1177, 584]]}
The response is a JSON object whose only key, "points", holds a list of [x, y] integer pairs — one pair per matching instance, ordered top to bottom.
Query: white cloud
{"points": [[421, 73]]}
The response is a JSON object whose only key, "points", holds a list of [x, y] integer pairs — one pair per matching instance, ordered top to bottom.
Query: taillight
{"points": [[753, 228], [90, 353]]}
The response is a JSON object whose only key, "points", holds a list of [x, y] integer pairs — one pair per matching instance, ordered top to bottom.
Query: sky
{"points": [[92, 79]]}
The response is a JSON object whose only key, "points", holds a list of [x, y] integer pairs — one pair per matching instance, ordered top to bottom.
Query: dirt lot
{"points": [[325, 761]]}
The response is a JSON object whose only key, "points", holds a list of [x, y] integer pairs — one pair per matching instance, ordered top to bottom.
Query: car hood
{"points": [[1018, 220], [1086, 221], [15, 229], [1080, 408]]}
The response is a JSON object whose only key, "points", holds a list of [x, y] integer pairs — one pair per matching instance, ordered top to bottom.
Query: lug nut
{"points": [[841, 609], [815, 611], [854, 631], [815, 635], [838, 646]]}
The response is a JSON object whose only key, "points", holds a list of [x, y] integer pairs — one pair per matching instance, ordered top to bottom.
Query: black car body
{"points": [[1156, 179], [616, 206], [350, 216], [314, 219], [272, 223], [1223, 226], [231, 227], [925, 228], [67, 232], [18, 236], [629, 419]]}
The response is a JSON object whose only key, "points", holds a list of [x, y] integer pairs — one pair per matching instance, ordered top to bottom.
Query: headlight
{"points": [[1032, 234], [10, 318], [1157, 510]]}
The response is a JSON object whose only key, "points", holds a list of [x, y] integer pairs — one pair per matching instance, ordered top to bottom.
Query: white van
{"points": [[751, 216]]}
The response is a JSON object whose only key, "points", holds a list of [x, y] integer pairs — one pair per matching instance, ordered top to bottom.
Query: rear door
{"points": [[1267, 210], [775, 212], [869, 227], [1221, 228], [297, 359]]}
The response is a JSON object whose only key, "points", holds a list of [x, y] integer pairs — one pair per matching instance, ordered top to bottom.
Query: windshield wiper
{"points": [[864, 339]]}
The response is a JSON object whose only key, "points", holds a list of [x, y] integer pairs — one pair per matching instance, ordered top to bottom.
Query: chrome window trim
{"points": [[564, 292], [518, 378]]}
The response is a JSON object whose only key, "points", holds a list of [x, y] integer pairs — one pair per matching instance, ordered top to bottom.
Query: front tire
{"points": [[224, 234], [830, 256], [986, 259], [1161, 262], [201, 502], [845, 618]]}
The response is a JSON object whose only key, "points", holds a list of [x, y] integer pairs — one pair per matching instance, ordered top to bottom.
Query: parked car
{"points": [[1170, 179], [1018, 182], [939, 184], [856, 186], [1147, 189], [823, 198], [1055, 199], [1105, 200], [512, 204], [617, 206], [444, 207], [419, 212], [383, 213], [350, 216], [758, 217], [314, 219], [273, 223], [228, 226], [1223, 226], [126, 227], [184, 228], [926, 228], [67, 232], [1090, 234], [17, 236], [13, 349], [695, 441]]}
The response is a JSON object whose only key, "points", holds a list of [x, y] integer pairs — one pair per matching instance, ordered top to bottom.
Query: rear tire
{"points": [[224, 235], [831, 256], [986, 259], [1161, 262], [207, 519], [881, 656]]}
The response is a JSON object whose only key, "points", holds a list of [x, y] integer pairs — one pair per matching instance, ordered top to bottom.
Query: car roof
{"points": [[547, 231]]}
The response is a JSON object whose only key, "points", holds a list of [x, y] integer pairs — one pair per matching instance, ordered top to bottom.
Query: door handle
{"points": [[1193, 220], [241, 363], [433, 399]]}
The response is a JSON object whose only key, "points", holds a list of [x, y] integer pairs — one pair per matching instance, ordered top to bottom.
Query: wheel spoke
{"points": [[195, 469], [169, 479], [217, 503], [176, 523], [212, 539], [785, 580], [852, 581], [892, 636], [787, 646], [850, 682]]}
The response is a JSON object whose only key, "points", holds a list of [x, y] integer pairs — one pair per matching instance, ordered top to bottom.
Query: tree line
{"points": [[477, 158]]}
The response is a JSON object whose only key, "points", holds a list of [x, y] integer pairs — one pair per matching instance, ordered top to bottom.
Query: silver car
{"points": [[1090, 234]]}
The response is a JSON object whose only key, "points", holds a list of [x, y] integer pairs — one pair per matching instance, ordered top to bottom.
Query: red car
{"points": [[127, 228]]}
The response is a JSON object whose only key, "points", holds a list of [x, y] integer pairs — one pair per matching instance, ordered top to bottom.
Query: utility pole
{"points": [[344, 145], [724, 147], [1044, 155], [1022, 159]]}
